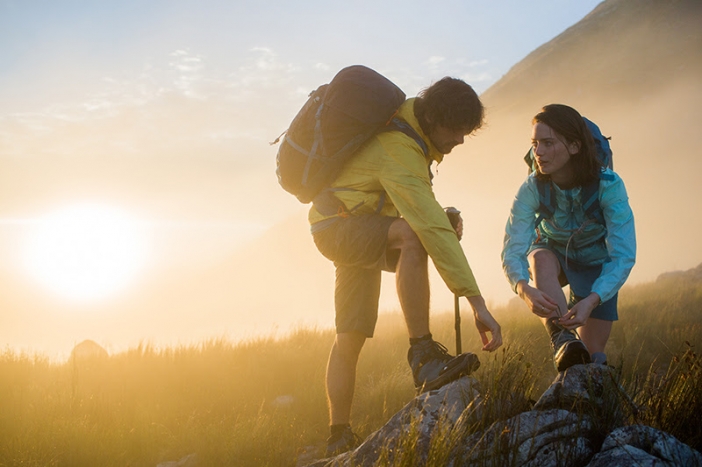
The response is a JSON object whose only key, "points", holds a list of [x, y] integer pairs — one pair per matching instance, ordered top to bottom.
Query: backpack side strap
{"points": [[547, 201]]}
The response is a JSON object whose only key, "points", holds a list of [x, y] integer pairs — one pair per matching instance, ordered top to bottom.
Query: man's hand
{"points": [[456, 220], [459, 228], [485, 324]]}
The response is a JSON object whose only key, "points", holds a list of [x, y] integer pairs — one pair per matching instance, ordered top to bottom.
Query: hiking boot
{"points": [[568, 350], [571, 353], [433, 367], [341, 442]]}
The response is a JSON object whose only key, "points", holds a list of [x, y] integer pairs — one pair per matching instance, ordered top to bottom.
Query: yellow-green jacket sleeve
{"points": [[405, 177]]}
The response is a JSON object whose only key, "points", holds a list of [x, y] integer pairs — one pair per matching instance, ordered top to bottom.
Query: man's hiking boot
{"points": [[568, 349], [433, 367], [342, 441]]}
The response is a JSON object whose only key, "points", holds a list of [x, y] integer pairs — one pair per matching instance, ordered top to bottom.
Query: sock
{"points": [[417, 340], [599, 357], [337, 430]]}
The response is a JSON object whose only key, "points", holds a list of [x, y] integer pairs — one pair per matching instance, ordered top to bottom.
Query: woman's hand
{"points": [[538, 302], [578, 315]]}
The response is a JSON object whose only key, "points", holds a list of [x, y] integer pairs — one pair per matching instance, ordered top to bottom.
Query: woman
{"points": [[592, 251]]}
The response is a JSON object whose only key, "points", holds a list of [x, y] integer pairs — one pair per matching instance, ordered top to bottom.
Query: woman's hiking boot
{"points": [[568, 350], [432, 365], [341, 440]]}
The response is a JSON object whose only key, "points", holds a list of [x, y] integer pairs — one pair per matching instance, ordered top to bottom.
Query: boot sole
{"points": [[572, 353], [459, 366]]}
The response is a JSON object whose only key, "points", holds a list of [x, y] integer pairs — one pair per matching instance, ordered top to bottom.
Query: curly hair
{"points": [[451, 103], [568, 123]]}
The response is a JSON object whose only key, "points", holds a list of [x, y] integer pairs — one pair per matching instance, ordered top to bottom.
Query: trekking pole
{"points": [[453, 215], [457, 309]]}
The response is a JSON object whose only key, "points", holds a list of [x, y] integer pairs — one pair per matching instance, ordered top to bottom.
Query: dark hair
{"points": [[451, 103], [567, 122]]}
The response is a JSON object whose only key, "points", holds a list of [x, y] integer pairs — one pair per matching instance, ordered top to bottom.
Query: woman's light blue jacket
{"points": [[612, 244]]}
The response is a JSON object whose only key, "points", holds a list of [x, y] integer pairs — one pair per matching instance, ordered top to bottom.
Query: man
{"points": [[384, 217]]}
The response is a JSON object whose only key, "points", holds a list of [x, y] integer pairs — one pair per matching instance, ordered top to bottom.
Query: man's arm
{"points": [[407, 184]]}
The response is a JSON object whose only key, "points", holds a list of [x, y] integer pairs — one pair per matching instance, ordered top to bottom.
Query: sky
{"points": [[155, 116]]}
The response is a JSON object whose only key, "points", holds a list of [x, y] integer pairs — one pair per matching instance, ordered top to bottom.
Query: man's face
{"points": [[445, 139]]}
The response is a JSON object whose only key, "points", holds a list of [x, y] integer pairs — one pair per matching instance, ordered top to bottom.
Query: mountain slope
{"points": [[635, 67]]}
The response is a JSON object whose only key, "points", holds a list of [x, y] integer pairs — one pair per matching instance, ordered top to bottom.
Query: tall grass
{"points": [[262, 401]]}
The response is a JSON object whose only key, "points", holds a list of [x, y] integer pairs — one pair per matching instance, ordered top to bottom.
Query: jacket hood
{"points": [[406, 113]]}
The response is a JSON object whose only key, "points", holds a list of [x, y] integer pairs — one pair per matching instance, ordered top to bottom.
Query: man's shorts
{"points": [[358, 247], [581, 278]]}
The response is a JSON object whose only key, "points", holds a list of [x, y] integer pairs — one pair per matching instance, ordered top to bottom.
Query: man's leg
{"points": [[411, 277], [431, 364], [341, 375]]}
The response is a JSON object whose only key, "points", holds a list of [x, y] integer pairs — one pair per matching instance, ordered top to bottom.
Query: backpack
{"points": [[332, 125], [589, 193]]}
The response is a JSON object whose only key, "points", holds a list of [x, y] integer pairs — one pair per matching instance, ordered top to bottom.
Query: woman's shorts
{"points": [[358, 247], [581, 277]]}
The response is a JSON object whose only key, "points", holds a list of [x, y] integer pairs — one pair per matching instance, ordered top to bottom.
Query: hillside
{"points": [[622, 52], [635, 67]]}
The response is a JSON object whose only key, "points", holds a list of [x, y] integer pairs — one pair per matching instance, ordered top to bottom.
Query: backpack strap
{"points": [[403, 127], [589, 198], [547, 201], [328, 204]]}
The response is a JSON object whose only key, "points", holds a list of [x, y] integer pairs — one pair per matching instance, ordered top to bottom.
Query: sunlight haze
{"points": [[136, 165]]}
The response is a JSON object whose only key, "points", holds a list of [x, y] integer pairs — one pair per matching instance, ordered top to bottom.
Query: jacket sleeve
{"points": [[405, 178], [520, 234], [620, 239]]}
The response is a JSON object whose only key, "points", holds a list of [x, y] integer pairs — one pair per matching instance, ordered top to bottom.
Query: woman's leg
{"points": [[545, 270], [595, 334], [568, 350]]}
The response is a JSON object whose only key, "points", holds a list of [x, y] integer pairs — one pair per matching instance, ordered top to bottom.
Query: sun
{"points": [[86, 251]]}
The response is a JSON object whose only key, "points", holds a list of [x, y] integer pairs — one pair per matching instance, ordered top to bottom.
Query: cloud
{"points": [[434, 61]]}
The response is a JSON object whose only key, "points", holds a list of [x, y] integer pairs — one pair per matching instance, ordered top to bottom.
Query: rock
{"points": [[88, 350], [578, 384], [592, 389], [282, 402], [583, 406], [421, 416], [534, 438], [640, 445], [188, 461]]}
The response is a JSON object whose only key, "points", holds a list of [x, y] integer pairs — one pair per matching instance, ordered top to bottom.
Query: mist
{"points": [[179, 138]]}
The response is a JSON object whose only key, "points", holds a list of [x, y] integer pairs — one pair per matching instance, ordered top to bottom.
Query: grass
{"points": [[260, 402]]}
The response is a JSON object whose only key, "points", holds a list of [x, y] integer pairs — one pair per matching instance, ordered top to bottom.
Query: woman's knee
{"points": [[544, 261]]}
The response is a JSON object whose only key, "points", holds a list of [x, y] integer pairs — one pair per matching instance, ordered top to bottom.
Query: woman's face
{"points": [[552, 152]]}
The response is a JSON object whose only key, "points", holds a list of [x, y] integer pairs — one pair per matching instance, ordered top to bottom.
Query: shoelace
{"points": [[561, 328], [439, 349]]}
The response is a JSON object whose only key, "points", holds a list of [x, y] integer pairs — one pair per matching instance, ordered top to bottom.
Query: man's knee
{"points": [[401, 236], [348, 345]]}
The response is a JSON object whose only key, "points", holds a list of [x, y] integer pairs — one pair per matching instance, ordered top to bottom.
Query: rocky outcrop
{"points": [[88, 350], [576, 422], [639, 445]]}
